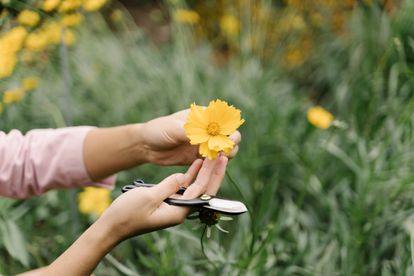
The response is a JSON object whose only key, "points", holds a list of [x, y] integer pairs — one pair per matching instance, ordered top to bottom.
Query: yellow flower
{"points": [[50, 5], [70, 5], [93, 5], [116, 15], [186, 16], [28, 18], [71, 20], [229, 25], [53, 32], [69, 37], [12, 41], [36, 41], [10, 44], [7, 64], [30, 83], [13, 95], [319, 117], [209, 127], [94, 200]]}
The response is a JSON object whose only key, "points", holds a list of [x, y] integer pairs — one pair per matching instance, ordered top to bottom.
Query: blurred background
{"points": [[326, 165]]}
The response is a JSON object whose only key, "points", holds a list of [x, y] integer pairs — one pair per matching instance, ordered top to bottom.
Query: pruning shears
{"points": [[206, 202]]}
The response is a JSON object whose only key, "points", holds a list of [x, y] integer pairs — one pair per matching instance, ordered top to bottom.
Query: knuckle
{"points": [[178, 179]]}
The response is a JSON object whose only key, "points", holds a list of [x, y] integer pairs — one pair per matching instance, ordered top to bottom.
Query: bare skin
{"points": [[161, 141], [121, 220]]}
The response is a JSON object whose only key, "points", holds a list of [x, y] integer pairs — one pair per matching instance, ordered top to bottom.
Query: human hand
{"points": [[166, 143], [142, 210]]}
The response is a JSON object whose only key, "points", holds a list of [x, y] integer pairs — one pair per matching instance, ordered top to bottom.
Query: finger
{"points": [[182, 115], [235, 137], [233, 152], [192, 171], [218, 175], [173, 183], [200, 184], [169, 186]]}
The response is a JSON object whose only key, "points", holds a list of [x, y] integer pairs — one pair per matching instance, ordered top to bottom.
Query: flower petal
{"points": [[197, 117], [228, 117], [196, 125], [196, 139], [220, 142], [206, 152]]}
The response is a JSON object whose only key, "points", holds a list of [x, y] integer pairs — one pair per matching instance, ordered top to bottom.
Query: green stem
{"points": [[251, 248], [203, 249]]}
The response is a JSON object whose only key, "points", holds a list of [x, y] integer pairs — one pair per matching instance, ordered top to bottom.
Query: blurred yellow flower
{"points": [[50, 5], [70, 5], [93, 5], [116, 15], [186, 16], [28, 18], [71, 20], [229, 25], [53, 32], [69, 37], [12, 41], [37, 41], [10, 44], [7, 64], [30, 83], [13, 95], [320, 117], [209, 127], [94, 200]]}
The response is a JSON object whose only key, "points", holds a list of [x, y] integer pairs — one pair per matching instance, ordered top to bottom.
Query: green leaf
{"points": [[14, 242]]}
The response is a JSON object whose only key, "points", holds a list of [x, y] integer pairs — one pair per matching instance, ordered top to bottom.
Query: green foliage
{"points": [[321, 202]]}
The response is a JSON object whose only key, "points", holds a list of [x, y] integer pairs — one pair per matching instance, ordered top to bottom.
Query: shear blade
{"points": [[226, 206]]}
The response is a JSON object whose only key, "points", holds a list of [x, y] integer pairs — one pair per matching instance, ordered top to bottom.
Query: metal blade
{"points": [[231, 207]]}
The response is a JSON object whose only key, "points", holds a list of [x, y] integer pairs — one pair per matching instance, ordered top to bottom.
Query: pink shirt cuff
{"points": [[43, 160]]}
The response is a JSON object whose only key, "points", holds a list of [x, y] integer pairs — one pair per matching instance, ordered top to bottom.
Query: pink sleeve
{"points": [[44, 159]]}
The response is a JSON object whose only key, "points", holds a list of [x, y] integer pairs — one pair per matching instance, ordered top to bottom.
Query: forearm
{"points": [[110, 150]]}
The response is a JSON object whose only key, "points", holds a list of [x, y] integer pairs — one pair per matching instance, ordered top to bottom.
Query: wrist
{"points": [[139, 151], [103, 234]]}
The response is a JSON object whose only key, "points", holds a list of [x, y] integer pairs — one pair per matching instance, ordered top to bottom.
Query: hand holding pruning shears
{"points": [[144, 209]]}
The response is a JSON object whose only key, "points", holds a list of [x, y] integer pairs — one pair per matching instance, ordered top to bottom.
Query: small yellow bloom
{"points": [[50, 5], [70, 5], [93, 5], [116, 15], [186, 16], [28, 18], [71, 20], [229, 25], [53, 32], [69, 37], [12, 41], [36, 41], [7, 64], [30, 83], [13, 95], [320, 117], [210, 127], [94, 200]]}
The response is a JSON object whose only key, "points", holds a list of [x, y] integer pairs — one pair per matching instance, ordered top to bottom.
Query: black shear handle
{"points": [[140, 183], [172, 201]]}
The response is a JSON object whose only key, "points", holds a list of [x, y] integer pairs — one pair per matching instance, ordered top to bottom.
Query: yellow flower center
{"points": [[213, 129]]}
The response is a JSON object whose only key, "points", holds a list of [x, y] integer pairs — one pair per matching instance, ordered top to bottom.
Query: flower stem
{"points": [[203, 249]]}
